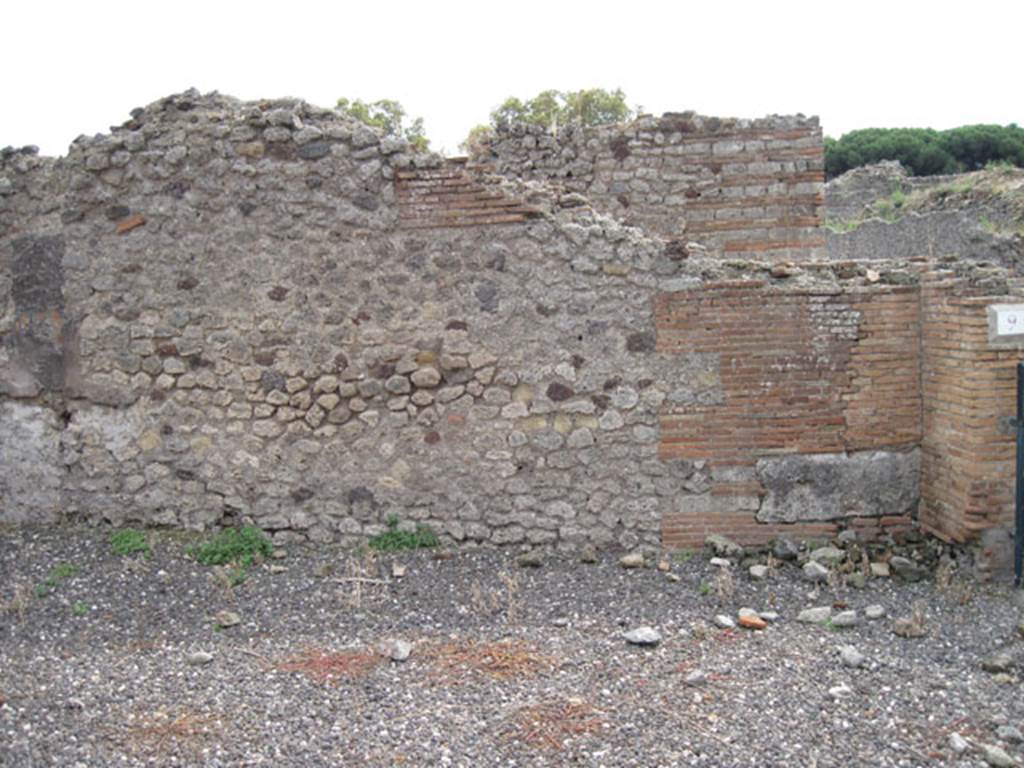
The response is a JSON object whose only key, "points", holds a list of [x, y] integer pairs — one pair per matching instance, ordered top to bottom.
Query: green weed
{"points": [[841, 227], [395, 539], [128, 541], [239, 546], [683, 555], [57, 574], [704, 589], [80, 608]]}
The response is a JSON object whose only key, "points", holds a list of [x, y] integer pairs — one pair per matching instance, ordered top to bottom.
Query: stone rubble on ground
{"points": [[723, 546], [828, 555], [532, 559], [632, 560], [815, 571], [874, 612], [817, 615], [225, 619], [845, 619], [724, 622], [643, 636], [395, 649], [851, 657], [998, 661], [695, 678], [958, 743], [997, 757]]}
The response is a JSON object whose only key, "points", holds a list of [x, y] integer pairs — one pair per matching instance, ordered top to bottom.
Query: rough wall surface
{"points": [[743, 188], [967, 217], [262, 312], [263, 331], [806, 380], [969, 398]]}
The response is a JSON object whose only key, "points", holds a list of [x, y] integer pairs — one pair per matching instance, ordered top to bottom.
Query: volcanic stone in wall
{"points": [[34, 359], [30, 466], [828, 486]]}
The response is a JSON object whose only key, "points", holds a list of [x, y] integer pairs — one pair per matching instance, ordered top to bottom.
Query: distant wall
{"points": [[743, 188]]}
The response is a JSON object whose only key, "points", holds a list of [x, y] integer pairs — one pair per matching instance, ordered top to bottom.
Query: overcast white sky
{"points": [[80, 67]]}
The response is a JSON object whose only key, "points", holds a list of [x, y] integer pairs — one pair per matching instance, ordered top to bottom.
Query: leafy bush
{"points": [[556, 109], [389, 116], [926, 152], [393, 538], [128, 541], [241, 546]]}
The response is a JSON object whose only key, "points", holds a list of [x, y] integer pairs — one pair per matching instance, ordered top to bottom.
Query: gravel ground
{"points": [[510, 666]]}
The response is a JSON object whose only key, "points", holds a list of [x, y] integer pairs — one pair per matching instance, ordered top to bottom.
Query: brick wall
{"points": [[744, 188], [448, 196], [801, 372], [969, 390]]}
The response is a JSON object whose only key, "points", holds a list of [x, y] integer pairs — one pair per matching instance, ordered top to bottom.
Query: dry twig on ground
{"points": [[503, 660], [321, 666], [551, 724], [155, 731]]}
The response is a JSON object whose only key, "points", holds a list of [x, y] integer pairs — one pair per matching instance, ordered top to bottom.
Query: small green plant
{"points": [[1000, 166], [842, 226], [394, 539], [128, 541], [239, 546], [683, 555], [57, 574], [237, 575], [705, 589], [80, 608], [827, 624]]}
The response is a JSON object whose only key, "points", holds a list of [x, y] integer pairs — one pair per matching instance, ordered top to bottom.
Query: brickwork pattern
{"points": [[744, 188], [448, 196], [801, 372], [969, 392]]}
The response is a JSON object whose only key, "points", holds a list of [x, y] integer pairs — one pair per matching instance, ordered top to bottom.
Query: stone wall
{"points": [[743, 188], [229, 312], [261, 312]]}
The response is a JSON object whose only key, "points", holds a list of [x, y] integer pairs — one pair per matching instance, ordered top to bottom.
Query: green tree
{"points": [[555, 109], [389, 116], [926, 152]]}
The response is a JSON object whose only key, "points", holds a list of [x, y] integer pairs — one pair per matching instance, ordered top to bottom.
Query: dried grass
{"points": [[361, 580], [724, 585], [498, 600], [18, 602], [502, 660], [325, 666], [550, 725], [182, 727]]}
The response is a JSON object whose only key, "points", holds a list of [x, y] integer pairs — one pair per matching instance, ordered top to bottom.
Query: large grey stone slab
{"points": [[30, 463], [834, 485]]}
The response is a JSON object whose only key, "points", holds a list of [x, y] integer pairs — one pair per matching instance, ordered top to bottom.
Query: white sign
{"points": [[1010, 321], [1006, 323]]}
